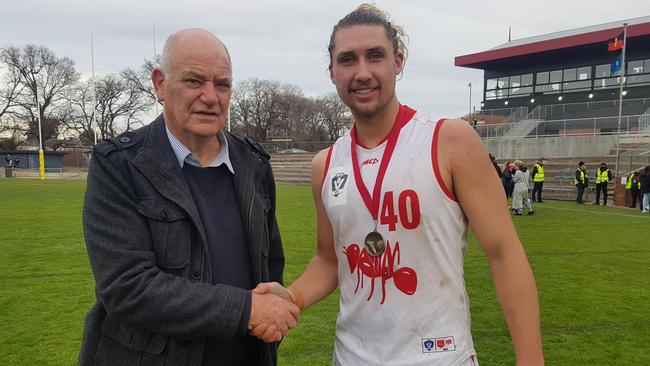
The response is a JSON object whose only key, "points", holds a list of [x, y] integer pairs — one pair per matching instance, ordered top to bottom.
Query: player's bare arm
{"points": [[466, 168], [320, 277]]}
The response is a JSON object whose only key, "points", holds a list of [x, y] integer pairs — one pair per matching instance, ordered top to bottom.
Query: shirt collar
{"points": [[184, 155]]}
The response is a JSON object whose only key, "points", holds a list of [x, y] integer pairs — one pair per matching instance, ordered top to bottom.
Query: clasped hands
{"points": [[273, 312]]}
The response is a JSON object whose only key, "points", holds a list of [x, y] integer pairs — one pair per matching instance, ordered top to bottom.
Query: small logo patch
{"points": [[338, 183], [444, 344]]}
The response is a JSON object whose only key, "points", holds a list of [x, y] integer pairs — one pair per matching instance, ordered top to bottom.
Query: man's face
{"points": [[364, 67], [196, 89]]}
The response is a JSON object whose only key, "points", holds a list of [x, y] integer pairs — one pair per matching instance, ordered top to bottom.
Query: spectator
{"points": [[8, 160], [16, 162], [496, 166], [603, 176], [506, 179], [538, 179], [581, 181], [634, 186], [645, 188], [520, 200]]}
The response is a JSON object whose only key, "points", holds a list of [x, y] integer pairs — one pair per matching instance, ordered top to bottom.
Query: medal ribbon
{"points": [[372, 203]]}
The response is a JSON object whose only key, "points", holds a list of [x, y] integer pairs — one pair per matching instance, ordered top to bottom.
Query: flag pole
{"points": [[620, 98], [470, 101]]}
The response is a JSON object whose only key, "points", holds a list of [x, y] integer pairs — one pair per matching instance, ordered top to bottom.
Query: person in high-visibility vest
{"points": [[603, 176], [538, 179], [581, 181], [634, 186]]}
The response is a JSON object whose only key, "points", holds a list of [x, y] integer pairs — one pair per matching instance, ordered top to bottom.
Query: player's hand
{"points": [[271, 316]]}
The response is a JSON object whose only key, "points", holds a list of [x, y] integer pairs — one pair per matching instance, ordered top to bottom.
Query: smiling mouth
{"points": [[363, 91]]}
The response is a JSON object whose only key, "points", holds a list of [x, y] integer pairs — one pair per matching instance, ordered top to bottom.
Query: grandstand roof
{"points": [[553, 41]]}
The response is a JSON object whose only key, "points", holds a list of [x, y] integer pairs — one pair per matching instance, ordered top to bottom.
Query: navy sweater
{"points": [[214, 195]]}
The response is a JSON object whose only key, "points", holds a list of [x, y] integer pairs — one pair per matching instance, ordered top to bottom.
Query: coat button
{"points": [[125, 139], [164, 215], [196, 276]]}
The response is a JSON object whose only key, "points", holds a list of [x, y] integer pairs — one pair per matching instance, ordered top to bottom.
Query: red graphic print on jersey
{"points": [[405, 278]]}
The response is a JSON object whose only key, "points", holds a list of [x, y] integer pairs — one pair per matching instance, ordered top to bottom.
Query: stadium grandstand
{"points": [[557, 95]]}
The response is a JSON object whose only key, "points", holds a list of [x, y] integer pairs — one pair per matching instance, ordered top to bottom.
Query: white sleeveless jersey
{"points": [[407, 306]]}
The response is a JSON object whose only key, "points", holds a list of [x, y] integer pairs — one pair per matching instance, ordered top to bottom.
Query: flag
{"points": [[615, 43], [615, 67]]}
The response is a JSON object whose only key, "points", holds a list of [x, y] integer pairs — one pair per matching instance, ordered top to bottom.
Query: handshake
{"points": [[275, 310]]}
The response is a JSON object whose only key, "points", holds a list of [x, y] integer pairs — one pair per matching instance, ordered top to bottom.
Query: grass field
{"points": [[591, 264]]}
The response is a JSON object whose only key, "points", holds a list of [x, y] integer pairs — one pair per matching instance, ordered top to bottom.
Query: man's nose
{"points": [[363, 71], [209, 94]]}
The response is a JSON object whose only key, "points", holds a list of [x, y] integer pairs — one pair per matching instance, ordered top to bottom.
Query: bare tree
{"points": [[45, 79], [141, 79], [8, 95], [254, 106], [118, 107], [335, 115]]}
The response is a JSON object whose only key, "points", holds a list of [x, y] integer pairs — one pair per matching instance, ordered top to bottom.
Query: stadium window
{"points": [[635, 67], [646, 68], [602, 71], [584, 73], [569, 74], [556, 76], [542, 78], [526, 79], [639, 79], [502, 82], [515, 83], [491, 84], [573, 85], [490, 94]]}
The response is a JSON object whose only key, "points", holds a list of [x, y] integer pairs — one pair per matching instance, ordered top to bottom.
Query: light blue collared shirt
{"points": [[184, 155]]}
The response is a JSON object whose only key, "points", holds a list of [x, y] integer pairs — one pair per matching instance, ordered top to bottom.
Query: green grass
{"points": [[590, 262]]}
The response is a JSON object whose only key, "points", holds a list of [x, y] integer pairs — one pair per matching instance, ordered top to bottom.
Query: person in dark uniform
{"points": [[603, 176], [538, 179], [581, 181]]}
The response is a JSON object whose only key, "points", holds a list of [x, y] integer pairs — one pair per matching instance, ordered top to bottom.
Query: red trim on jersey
{"points": [[402, 109], [404, 115], [434, 161], [327, 166], [474, 360]]}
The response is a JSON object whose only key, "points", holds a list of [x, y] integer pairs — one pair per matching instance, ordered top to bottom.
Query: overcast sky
{"points": [[286, 40]]}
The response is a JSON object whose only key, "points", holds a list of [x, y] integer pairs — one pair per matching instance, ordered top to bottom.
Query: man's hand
{"points": [[275, 289], [271, 315]]}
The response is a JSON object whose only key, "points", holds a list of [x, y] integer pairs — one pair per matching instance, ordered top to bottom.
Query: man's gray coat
{"points": [[148, 252]]}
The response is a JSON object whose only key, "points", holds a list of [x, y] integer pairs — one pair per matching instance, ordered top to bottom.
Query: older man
{"points": [[179, 220]]}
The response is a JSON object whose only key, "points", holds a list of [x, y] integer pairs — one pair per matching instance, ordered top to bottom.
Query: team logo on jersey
{"points": [[338, 183], [381, 266], [444, 344]]}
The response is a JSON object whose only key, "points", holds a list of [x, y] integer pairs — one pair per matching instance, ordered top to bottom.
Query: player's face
{"points": [[364, 68], [196, 90]]}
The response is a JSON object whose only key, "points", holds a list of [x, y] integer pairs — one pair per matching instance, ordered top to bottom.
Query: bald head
{"points": [[190, 40]]}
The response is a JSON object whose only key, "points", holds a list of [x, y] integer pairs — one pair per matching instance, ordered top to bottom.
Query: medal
{"points": [[374, 241]]}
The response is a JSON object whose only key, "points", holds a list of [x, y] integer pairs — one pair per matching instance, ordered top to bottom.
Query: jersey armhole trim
{"points": [[434, 161], [327, 166]]}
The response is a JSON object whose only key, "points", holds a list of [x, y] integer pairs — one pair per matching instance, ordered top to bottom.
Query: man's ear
{"points": [[399, 63], [158, 80]]}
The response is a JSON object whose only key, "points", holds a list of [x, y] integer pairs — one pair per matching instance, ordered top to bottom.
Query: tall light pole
{"points": [[92, 65], [620, 98], [41, 154]]}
